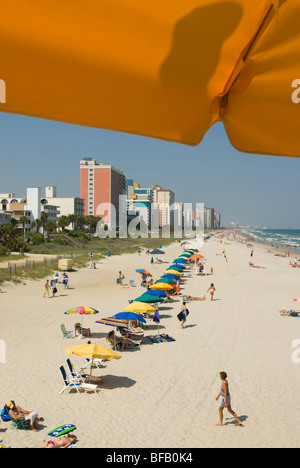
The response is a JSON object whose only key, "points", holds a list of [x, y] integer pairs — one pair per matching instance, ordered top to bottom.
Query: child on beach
{"points": [[47, 287], [211, 290], [226, 400]]}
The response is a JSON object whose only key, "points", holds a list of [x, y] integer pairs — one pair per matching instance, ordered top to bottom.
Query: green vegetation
{"points": [[78, 243]]}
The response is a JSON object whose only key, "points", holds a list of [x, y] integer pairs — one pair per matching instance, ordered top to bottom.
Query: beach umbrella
{"points": [[168, 70], [157, 252], [195, 256], [180, 260], [176, 267], [143, 271], [172, 272], [170, 276], [167, 280], [162, 286], [155, 292], [149, 299], [139, 308], [82, 310], [129, 316], [113, 322], [92, 351]]}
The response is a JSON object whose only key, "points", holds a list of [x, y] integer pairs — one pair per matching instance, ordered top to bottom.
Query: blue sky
{"points": [[248, 189]]}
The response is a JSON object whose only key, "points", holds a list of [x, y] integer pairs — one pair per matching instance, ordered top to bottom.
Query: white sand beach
{"points": [[162, 395]]}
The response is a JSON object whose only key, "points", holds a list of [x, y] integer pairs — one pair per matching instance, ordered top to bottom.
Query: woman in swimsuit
{"points": [[211, 290], [226, 400], [62, 442]]}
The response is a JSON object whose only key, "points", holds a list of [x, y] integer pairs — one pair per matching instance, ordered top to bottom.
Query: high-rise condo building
{"points": [[101, 187]]}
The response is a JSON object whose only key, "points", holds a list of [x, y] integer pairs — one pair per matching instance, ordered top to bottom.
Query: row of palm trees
{"points": [[62, 223]]}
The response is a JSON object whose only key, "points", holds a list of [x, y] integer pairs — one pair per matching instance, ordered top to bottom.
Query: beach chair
{"points": [[132, 284], [66, 334], [96, 362], [75, 375], [70, 385], [20, 424]]}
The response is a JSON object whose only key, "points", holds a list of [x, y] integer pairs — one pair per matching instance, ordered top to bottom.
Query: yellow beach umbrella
{"points": [[168, 70], [172, 272], [162, 286], [140, 308], [93, 351]]}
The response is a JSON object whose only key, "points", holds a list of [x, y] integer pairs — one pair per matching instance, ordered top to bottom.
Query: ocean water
{"points": [[282, 238]]}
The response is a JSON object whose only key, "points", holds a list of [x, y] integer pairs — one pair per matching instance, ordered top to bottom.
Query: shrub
{"points": [[37, 239]]}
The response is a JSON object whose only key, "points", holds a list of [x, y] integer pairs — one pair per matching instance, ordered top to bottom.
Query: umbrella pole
{"points": [[91, 369]]}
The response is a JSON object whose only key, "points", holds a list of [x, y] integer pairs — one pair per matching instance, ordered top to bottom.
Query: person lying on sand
{"points": [[254, 266], [191, 298], [289, 313], [62, 442]]}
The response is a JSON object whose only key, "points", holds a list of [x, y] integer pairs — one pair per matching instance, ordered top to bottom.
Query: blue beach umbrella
{"points": [[157, 252], [169, 276], [129, 316]]}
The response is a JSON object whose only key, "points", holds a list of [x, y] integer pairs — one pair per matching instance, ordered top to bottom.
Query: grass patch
{"points": [[99, 247]]}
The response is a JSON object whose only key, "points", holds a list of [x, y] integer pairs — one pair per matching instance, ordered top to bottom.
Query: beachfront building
{"points": [[101, 187], [6, 199], [139, 201], [164, 201], [65, 205], [4, 218], [209, 218], [217, 220]]}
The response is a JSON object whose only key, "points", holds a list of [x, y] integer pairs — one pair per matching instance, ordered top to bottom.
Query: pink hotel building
{"points": [[101, 184]]}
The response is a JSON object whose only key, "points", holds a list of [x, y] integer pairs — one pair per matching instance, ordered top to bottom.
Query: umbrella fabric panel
{"points": [[155, 68], [262, 113], [129, 316], [113, 322], [93, 351]]}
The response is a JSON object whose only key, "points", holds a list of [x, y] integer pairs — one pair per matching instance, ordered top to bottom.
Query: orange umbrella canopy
{"points": [[168, 70]]}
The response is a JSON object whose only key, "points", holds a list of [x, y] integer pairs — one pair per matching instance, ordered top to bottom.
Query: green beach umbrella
{"points": [[166, 280], [149, 299]]}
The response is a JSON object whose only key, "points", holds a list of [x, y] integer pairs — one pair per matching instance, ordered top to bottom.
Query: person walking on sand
{"points": [[47, 287], [54, 288], [211, 290], [184, 313], [226, 400]]}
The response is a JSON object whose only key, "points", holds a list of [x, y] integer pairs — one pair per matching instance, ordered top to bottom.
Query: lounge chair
{"points": [[66, 334], [116, 343], [96, 362], [75, 375], [69, 385]]}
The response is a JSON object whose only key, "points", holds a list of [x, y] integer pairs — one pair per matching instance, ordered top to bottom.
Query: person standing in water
{"points": [[226, 400]]}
